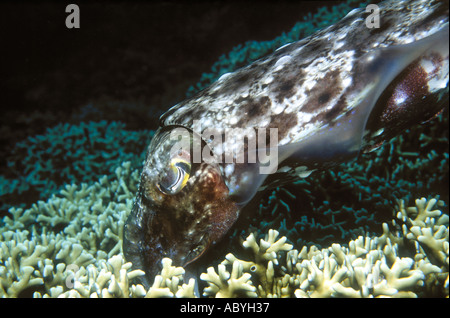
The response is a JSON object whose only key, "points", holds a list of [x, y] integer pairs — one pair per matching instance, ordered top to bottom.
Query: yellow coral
{"points": [[368, 267], [168, 283], [226, 285]]}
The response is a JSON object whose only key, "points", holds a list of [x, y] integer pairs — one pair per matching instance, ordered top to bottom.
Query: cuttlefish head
{"points": [[182, 206]]}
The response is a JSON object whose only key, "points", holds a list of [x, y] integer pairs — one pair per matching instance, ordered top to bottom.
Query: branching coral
{"points": [[41, 165], [94, 214], [81, 226], [427, 230], [74, 250], [265, 256], [409, 258], [368, 267], [372, 267], [108, 279], [168, 283], [226, 285]]}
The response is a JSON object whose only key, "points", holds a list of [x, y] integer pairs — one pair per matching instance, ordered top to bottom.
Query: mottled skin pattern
{"points": [[342, 91]]}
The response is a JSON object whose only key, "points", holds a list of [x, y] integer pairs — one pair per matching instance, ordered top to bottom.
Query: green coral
{"points": [[40, 165]]}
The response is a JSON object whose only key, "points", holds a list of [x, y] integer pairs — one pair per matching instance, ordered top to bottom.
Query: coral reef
{"points": [[42, 164], [80, 226], [74, 248], [84, 259], [410, 260], [226, 285]]}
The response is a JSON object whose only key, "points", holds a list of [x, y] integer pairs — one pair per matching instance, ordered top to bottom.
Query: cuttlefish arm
{"points": [[329, 97]]}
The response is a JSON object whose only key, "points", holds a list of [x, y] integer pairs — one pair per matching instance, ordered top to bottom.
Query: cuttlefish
{"points": [[307, 106]]}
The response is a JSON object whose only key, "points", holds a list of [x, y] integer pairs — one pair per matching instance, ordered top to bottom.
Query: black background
{"points": [[134, 53]]}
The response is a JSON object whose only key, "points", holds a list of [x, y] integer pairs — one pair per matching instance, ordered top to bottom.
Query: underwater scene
{"points": [[95, 204]]}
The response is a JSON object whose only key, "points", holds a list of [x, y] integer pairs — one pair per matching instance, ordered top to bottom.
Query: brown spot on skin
{"points": [[384, 25], [315, 45], [241, 78], [285, 86], [325, 90], [323, 98], [240, 100], [259, 108], [253, 109], [337, 110], [330, 116], [284, 123]]}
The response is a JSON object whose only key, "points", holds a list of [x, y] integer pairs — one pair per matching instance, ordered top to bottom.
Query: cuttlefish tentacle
{"points": [[309, 105]]}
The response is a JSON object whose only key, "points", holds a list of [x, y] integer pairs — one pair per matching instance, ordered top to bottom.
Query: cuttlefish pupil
{"points": [[176, 177]]}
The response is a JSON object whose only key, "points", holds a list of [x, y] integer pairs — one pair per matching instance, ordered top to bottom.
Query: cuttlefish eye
{"points": [[175, 177]]}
